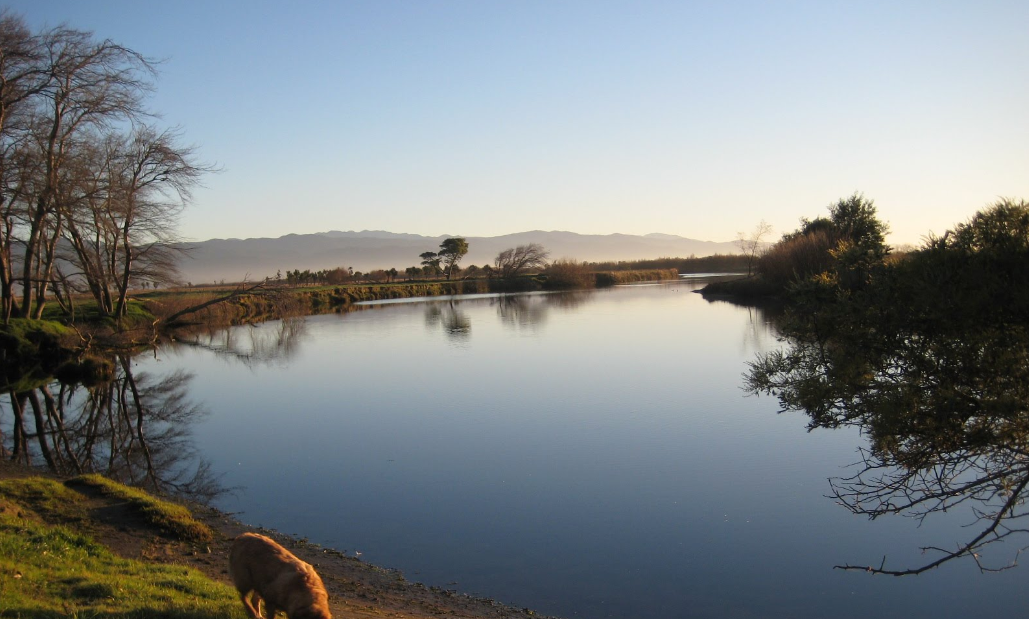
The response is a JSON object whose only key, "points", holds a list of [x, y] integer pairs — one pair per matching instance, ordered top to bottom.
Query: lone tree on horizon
{"points": [[450, 253], [445, 260]]}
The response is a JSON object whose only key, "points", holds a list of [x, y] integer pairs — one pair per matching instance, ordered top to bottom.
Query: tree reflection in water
{"points": [[532, 310], [515, 311], [520, 311], [454, 322], [251, 344], [930, 360], [946, 421], [135, 429]]}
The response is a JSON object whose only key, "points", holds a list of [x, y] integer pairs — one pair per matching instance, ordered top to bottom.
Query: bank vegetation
{"points": [[928, 355]]}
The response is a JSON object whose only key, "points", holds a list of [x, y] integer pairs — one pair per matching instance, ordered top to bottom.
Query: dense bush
{"points": [[844, 248], [797, 258], [717, 263], [569, 275]]}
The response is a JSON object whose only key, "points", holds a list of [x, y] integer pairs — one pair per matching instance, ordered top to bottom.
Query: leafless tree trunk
{"points": [[23, 76], [156, 183], [242, 289]]}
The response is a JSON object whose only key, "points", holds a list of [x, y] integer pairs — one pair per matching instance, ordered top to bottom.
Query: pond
{"points": [[582, 454]]}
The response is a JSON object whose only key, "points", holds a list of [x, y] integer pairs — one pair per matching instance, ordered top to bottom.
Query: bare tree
{"points": [[23, 76], [93, 85], [60, 90], [81, 168], [154, 183], [121, 226], [752, 245], [518, 260]]}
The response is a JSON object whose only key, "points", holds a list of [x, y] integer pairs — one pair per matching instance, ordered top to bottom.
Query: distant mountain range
{"points": [[233, 260]]}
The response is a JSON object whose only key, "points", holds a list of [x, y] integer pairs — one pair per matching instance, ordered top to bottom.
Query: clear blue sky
{"points": [[486, 117]]}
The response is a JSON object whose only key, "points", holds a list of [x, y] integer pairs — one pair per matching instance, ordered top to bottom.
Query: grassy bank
{"points": [[273, 302], [91, 548], [51, 567]]}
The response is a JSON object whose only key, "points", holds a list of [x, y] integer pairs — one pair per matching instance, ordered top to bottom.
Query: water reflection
{"points": [[569, 301], [517, 312], [450, 317], [761, 324], [275, 341], [944, 410], [135, 428]]}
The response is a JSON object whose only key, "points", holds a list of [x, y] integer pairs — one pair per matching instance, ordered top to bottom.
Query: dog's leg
{"points": [[250, 607]]}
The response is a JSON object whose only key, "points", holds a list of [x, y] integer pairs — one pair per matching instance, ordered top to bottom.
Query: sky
{"points": [[490, 117]]}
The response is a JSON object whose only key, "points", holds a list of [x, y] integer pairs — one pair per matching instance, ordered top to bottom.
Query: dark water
{"points": [[585, 455]]}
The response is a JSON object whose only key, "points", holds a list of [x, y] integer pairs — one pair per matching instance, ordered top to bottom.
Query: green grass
{"points": [[86, 312], [25, 328], [48, 498], [170, 518], [50, 571]]}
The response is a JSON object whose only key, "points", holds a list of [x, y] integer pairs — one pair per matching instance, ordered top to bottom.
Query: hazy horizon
{"points": [[436, 236], [235, 259]]}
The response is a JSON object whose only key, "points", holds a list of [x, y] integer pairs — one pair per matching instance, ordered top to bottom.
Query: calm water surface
{"points": [[585, 455]]}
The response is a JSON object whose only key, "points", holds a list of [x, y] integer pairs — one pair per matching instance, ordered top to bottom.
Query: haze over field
{"points": [[689, 118], [233, 260]]}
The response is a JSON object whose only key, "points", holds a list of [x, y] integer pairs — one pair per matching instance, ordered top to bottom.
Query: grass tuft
{"points": [[45, 497], [171, 518]]}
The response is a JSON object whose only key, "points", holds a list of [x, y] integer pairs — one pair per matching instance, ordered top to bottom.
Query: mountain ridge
{"points": [[235, 259]]}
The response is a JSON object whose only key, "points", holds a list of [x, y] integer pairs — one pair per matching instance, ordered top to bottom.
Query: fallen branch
{"points": [[241, 290]]}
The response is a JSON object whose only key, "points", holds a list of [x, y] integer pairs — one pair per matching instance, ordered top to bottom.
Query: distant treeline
{"points": [[717, 263], [558, 270], [278, 302]]}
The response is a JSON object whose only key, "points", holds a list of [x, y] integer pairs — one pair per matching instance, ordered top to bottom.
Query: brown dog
{"points": [[260, 566]]}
